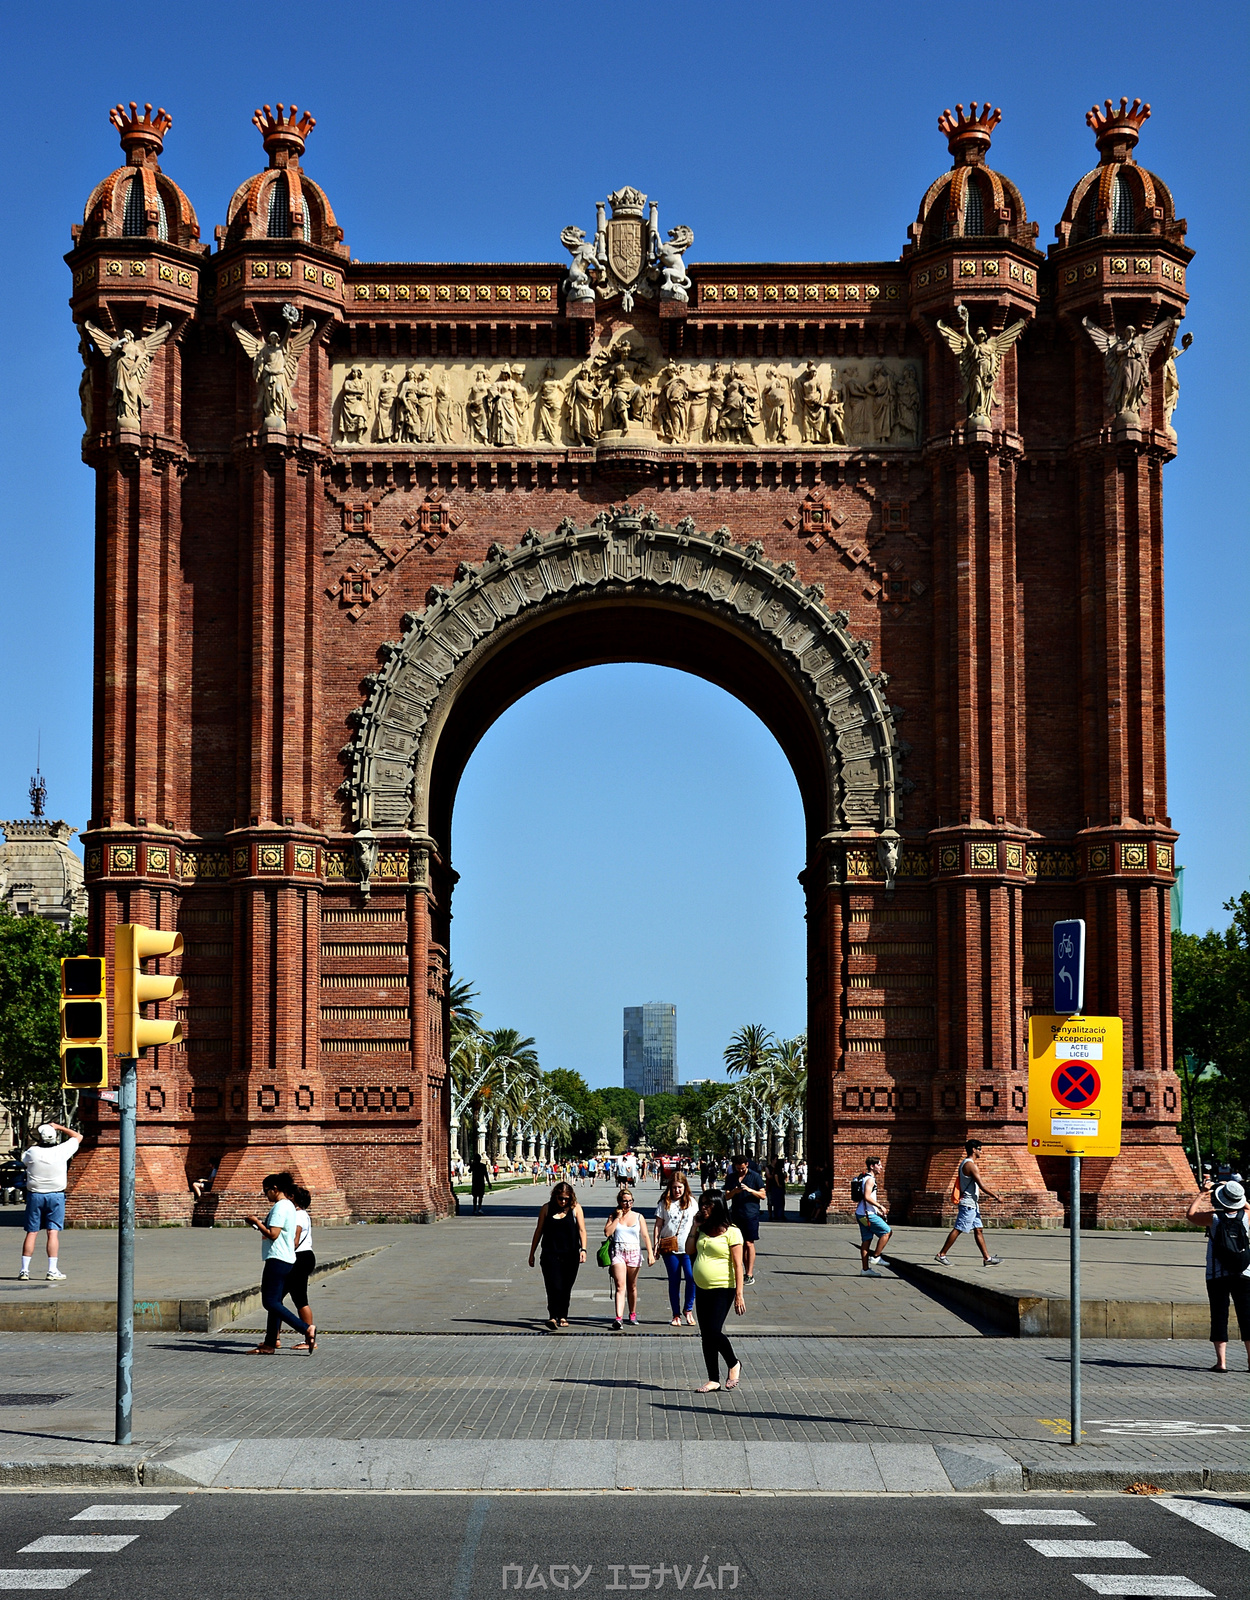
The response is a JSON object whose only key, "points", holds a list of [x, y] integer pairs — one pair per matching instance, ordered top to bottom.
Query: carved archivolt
{"points": [[621, 553]]}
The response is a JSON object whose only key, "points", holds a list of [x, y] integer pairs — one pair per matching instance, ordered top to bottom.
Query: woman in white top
{"points": [[673, 1218], [627, 1230], [277, 1251]]}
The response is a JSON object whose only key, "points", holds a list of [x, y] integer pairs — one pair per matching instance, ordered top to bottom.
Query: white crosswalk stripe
{"points": [[110, 1513], [1037, 1519], [1226, 1522], [78, 1544], [1089, 1549], [45, 1578], [1129, 1584]]}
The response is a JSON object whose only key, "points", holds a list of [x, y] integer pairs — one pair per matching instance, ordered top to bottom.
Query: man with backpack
{"points": [[1222, 1207], [870, 1215]]}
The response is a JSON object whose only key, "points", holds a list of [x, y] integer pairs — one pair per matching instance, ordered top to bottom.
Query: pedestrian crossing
{"points": [[1225, 1521], [27, 1579]]}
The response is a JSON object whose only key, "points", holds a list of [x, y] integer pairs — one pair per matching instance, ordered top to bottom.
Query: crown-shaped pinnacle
{"points": [[1117, 127], [141, 134], [968, 134], [284, 135]]}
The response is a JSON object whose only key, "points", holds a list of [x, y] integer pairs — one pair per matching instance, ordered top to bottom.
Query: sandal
{"points": [[690, 1318], [564, 1322], [552, 1323], [675, 1323], [312, 1339], [264, 1350], [731, 1382], [707, 1388]]}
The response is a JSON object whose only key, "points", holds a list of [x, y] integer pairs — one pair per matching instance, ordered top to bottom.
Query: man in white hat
{"points": [[47, 1164], [1222, 1207]]}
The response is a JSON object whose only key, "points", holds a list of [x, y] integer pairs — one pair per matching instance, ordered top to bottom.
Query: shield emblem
{"points": [[625, 247]]}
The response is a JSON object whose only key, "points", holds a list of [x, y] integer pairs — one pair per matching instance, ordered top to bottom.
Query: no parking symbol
{"points": [[1075, 1085]]}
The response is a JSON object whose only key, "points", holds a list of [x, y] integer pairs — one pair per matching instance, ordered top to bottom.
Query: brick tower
{"points": [[347, 513]]}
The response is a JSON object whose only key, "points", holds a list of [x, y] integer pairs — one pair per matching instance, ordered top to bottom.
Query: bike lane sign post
{"points": [[1068, 964], [1076, 1095]]}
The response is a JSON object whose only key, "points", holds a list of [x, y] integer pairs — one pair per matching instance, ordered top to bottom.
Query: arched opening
{"points": [[624, 834]]}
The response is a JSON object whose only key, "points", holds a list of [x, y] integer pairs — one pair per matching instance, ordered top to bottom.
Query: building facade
{"points": [[908, 511], [651, 1048]]}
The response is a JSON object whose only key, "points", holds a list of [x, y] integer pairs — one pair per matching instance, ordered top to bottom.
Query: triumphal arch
{"points": [[908, 511]]}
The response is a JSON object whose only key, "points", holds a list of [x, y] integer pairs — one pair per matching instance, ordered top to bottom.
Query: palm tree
{"points": [[465, 1021], [748, 1049]]}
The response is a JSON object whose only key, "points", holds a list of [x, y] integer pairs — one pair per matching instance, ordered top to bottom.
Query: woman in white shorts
{"points": [[627, 1231]]}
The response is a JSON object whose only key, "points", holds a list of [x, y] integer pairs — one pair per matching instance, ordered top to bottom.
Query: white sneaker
{"points": [[992, 1261], [867, 1272], [55, 1275], [23, 1277]]}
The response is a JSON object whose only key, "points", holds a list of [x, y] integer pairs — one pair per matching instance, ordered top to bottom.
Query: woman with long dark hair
{"points": [[674, 1217], [561, 1230], [717, 1249], [277, 1252]]}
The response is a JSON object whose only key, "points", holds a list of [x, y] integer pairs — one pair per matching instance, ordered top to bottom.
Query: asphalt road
{"points": [[466, 1547]]}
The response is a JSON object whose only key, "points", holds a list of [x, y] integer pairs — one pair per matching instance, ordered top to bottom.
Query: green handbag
{"points": [[604, 1254]]}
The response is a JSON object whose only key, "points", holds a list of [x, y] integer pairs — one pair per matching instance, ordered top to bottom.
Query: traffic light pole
{"points": [[127, 1096], [1074, 1294]]}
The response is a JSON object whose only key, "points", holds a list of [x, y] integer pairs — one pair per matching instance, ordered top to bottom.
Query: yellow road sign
{"points": [[1076, 1085]]}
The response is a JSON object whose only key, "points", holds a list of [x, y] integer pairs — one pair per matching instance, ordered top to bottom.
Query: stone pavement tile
{"points": [[188, 1461], [257, 1464], [328, 1464], [519, 1464], [583, 1464], [648, 1465], [720, 1465], [774, 1465], [909, 1466], [845, 1467]]}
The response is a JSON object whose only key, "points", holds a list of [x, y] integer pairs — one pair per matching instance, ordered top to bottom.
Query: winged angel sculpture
{"points": [[980, 354], [129, 357], [275, 361], [1126, 362]]}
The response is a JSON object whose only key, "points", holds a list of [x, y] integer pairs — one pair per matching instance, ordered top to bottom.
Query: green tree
{"points": [[31, 949], [1211, 1029], [748, 1049]]}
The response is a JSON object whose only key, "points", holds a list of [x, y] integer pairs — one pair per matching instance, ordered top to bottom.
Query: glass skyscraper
{"points": [[651, 1048]]}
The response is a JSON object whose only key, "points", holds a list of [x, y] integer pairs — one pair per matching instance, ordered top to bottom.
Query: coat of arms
{"points": [[627, 257]]}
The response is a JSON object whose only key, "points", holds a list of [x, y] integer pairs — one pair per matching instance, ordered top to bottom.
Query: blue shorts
{"points": [[45, 1211], [968, 1216], [872, 1226]]}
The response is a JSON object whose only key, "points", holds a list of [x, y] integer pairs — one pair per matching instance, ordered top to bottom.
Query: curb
{"points": [[204, 1314], [1042, 1317]]}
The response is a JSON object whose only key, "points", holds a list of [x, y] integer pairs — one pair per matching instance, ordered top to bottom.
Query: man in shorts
{"points": [[47, 1166], [968, 1216], [871, 1218]]}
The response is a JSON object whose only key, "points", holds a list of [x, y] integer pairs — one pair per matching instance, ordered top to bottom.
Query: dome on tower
{"points": [[1118, 196], [138, 201], [971, 201], [282, 202]]}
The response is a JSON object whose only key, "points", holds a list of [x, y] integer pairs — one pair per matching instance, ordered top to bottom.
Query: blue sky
{"points": [[656, 815]]}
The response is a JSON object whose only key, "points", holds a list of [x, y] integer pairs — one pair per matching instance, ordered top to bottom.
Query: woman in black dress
{"points": [[562, 1232]]}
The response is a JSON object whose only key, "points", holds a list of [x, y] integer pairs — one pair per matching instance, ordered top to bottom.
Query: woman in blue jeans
{"points": [[673, 1218], [277, 1252]]}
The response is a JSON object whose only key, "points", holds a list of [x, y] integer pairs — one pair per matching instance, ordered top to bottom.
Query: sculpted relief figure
{"points": [[627, 257], [578, 283], [674, 284], [980, 354], [129, 358], [275, 361], [1126, 362], [1171, 383], [388, 390], [585, 401], [775, 402], [548, 405], [355, 406], [907, 406], [417, 407], [509, 407], [673, 407], [477, 408], [741, 409], [821, 411], [448, 416]]}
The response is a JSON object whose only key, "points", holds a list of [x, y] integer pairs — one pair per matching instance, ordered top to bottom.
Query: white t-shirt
{"points": [[46, 1166], [868, 1206], [282, 1215], [304, 1221], [675, 1222]]}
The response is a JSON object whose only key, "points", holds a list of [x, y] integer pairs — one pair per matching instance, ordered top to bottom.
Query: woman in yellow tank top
{"points": [[716, 1247]]}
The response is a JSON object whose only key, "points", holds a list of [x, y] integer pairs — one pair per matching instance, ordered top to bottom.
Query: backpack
{"points": [[857, 1188], [1229, 1243]]}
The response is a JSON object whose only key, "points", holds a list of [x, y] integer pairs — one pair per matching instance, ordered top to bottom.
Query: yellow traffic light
{"points": [[133, 988], [84, 1023]]}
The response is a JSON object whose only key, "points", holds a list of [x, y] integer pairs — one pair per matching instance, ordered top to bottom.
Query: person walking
{"points": [[47, 1174], [479, 1182], [971, 1186], [775, 1188], [744, 1189], [1222, 1208], [870, 1215], [674, 1217], [561, 1229], [627, 1229], [277, 1252], [305, 1260], [718, 1279]]}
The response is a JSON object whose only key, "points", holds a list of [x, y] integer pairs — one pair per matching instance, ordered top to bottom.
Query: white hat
{"points": [[47, 1133], [1230, 1196]]}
